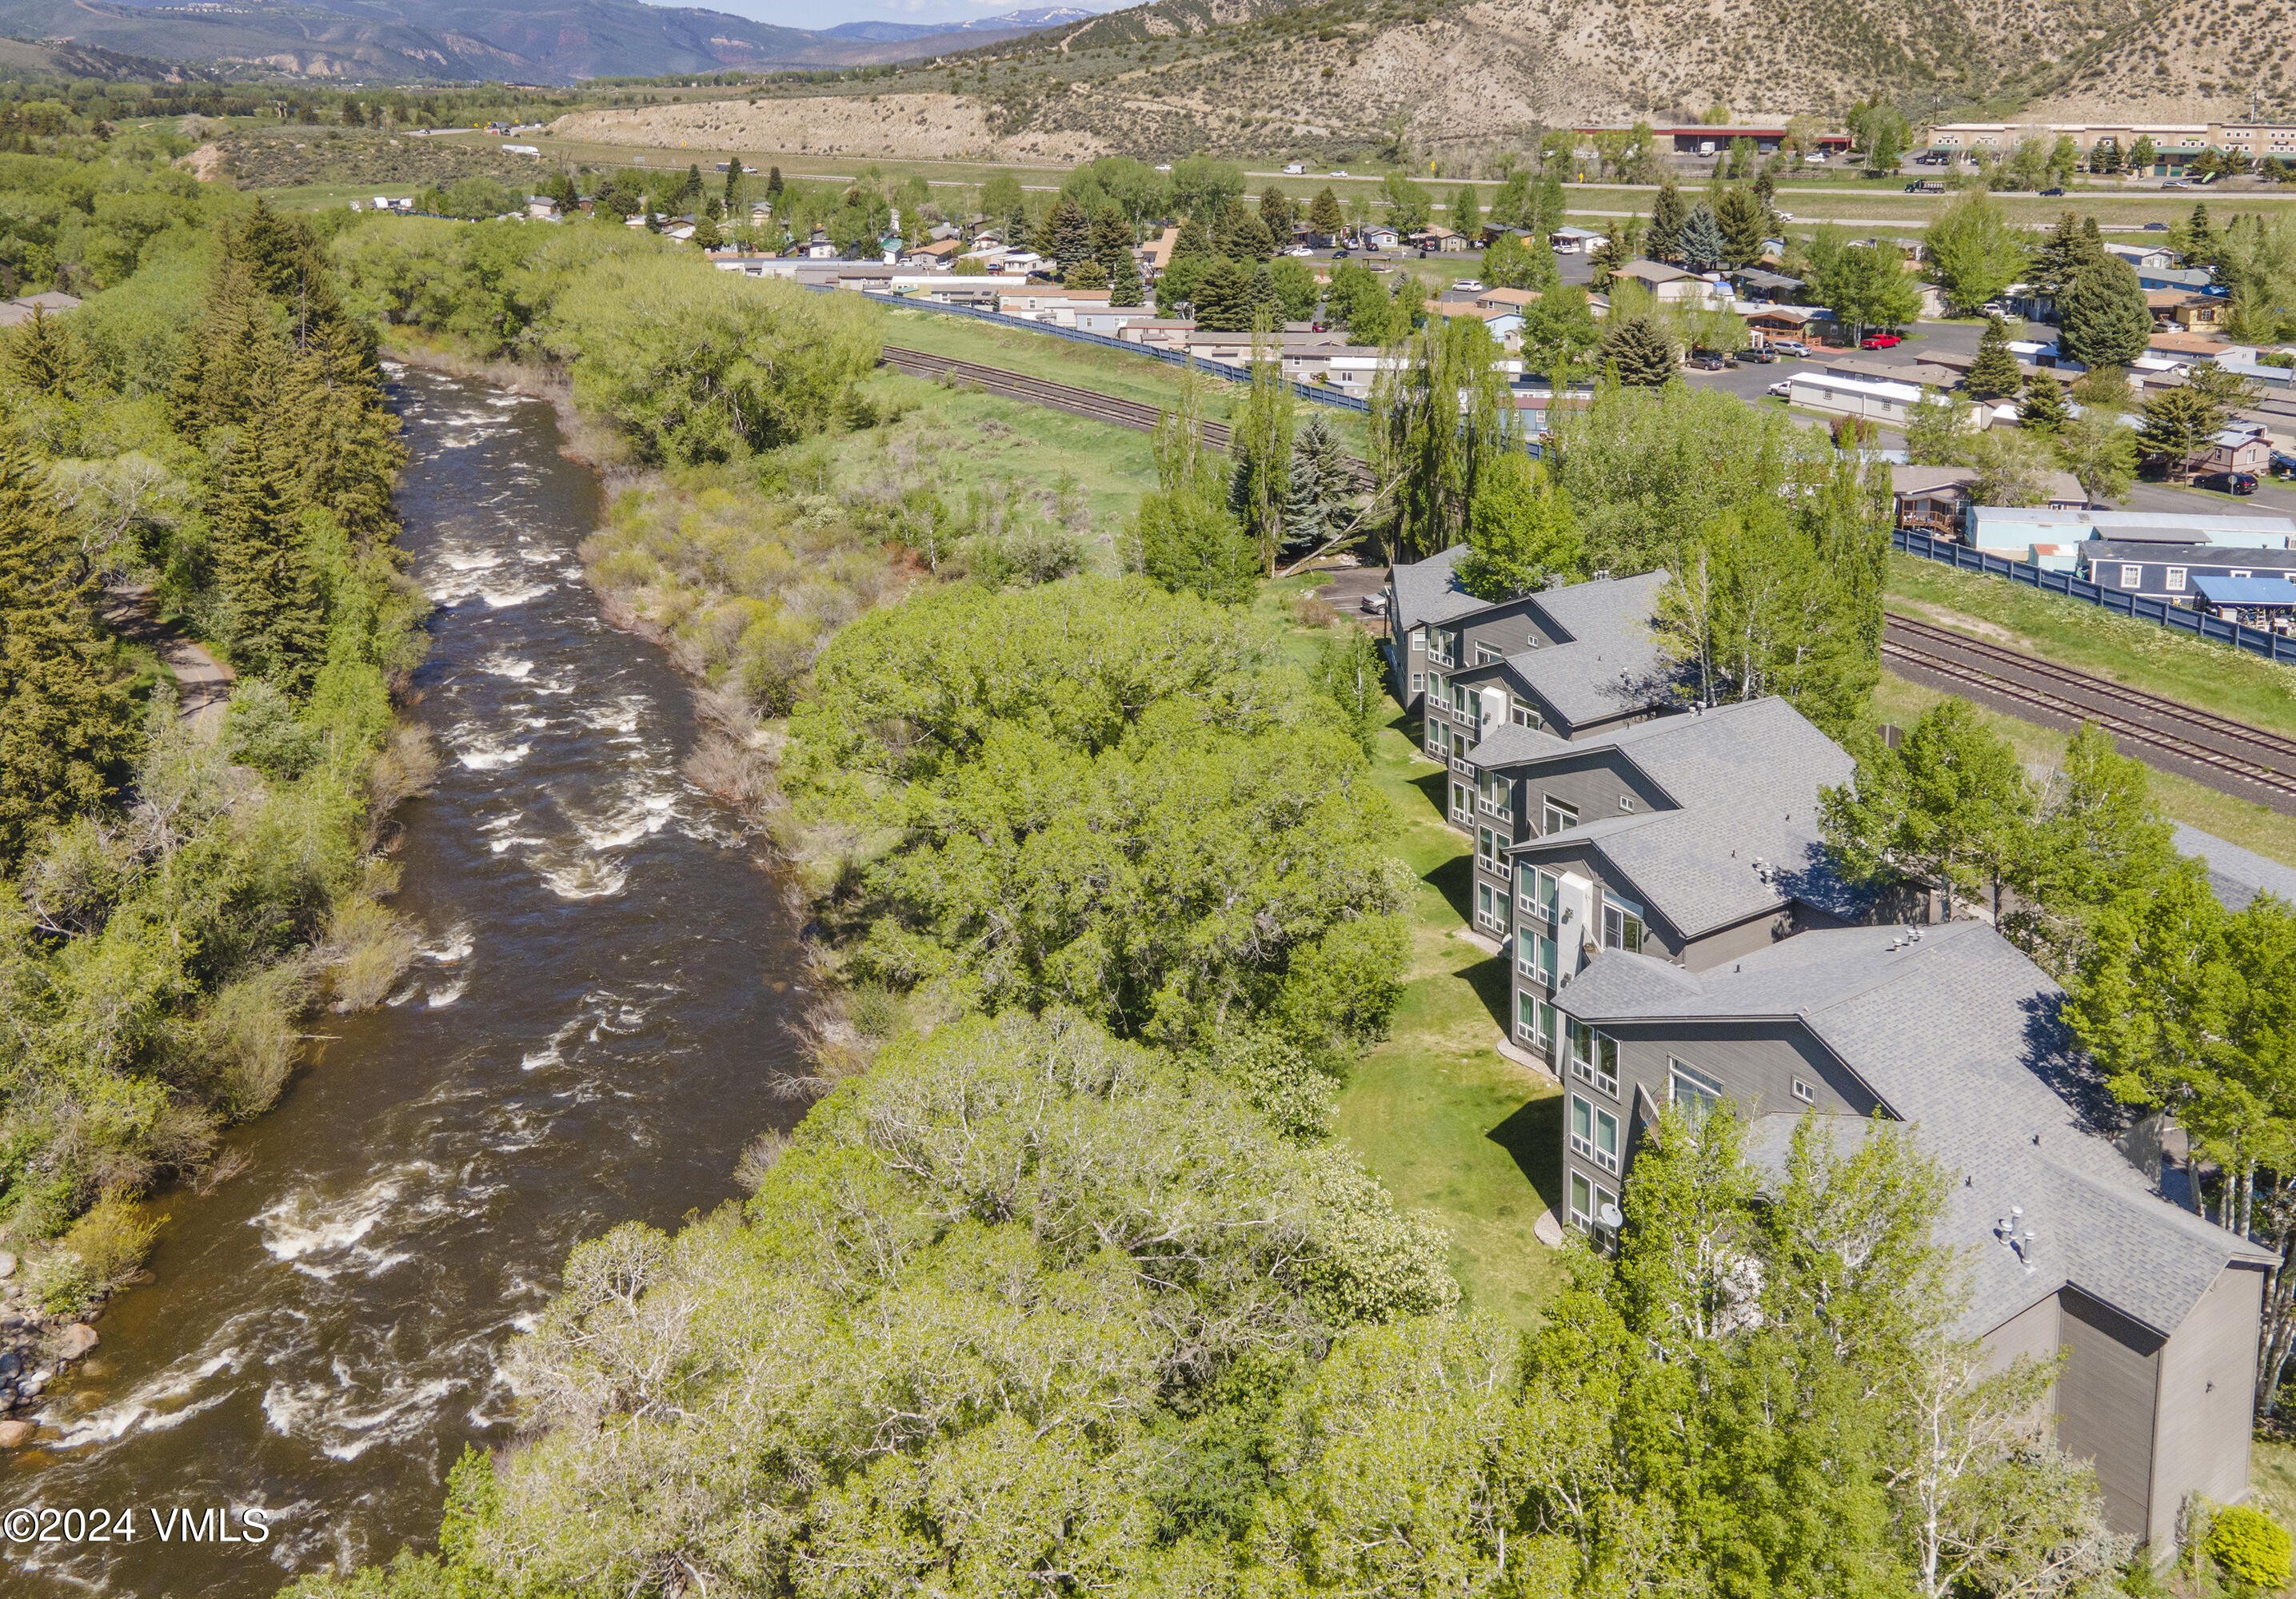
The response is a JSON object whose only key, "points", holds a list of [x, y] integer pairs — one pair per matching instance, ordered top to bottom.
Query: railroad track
{"points": [[1065, 397], [2215, 747]]}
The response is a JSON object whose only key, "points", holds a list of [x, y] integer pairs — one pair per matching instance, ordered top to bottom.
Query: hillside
{"points": [[560, 42], [2190, 65], [1352, 79]]}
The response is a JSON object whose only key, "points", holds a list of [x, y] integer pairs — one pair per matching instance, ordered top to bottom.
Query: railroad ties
{"points": [[2225, 754]]}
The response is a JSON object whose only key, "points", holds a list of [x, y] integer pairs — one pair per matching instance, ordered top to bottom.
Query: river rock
{"points": [[7, 1264], [77, 1341], [10, 1365], [15, 1435]]}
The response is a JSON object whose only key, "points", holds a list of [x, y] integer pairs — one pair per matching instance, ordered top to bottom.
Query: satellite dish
{"points": [[1609, 1216]]}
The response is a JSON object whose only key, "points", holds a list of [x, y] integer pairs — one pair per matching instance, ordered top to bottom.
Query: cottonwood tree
{"points": [[1973, 251], [1865, 285], [1439, 413], [2098, 452], [1259, 486], [1521, 534], [1948, 807], [2097, 841]]}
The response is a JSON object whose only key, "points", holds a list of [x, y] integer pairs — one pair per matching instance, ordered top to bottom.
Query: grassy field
{"points": [[1117, 373], [2211, 675], [1449, 1125]]}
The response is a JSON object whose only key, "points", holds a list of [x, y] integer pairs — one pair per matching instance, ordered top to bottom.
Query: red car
{"points": [[1879, 341]]}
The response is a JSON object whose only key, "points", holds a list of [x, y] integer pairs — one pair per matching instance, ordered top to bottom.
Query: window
{"points": [[2238, 573], [2132, 576], [2175, 583], [1419, 641], [1485, 655], [1418, 682], [1439, 690], [1461, 696], [1525, 716], [1625, 802], [1463, 804], [1559, 818], [1486, 848], [1537, 889], [1489, 908], [1622, 924], [1534, 953], [1534, 1021], [1595, 1058], [1803, 1092], [1693, 1093], [1582, 1202], [1606, 1212]]}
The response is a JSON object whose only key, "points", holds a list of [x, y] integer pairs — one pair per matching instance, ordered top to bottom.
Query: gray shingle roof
{"points": [[1429, 591], [1613, 665], [1745, 778], [2236, 876], [1959, 1033]]}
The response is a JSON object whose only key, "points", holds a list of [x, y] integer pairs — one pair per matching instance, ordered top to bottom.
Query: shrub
{"points": [[264, 730], [2249, 1547]]}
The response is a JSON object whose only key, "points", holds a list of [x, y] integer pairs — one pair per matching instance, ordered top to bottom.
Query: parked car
{"points": [[1342, 173], [2051, 193], [1786, 216], [2156, 227], [1299, 249], [1468, 285], [1879, 341], [1790, 346], [1761, 355], [1708, 361], [1780, 390], [2228, 483]]}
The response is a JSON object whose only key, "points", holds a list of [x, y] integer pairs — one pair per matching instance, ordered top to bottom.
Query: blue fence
{"points": [[2256, 641]]}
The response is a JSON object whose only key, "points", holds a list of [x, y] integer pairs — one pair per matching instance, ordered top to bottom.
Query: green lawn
{"points": [[329, 197], [1447, 1123]]}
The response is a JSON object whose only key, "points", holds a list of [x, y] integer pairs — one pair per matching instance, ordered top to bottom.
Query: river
{"points": [[593, 1028]]}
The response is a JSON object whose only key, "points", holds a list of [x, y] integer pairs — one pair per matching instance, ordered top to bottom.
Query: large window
{"points": [[2132, 576], [1485, 654], [1525, 716], [1498, 794], [1463, 804], [1558, 817], [1538, 888], [1491, 906], [1622, 924], [1534, 953], [1534, 1022], [1595, 1058], [1694, 1093], [1593, 1134], [1582, 1202]]}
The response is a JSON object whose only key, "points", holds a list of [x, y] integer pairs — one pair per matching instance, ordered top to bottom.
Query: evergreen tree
{"points": [[733, 173], [1765, 184], [773, 185], [690, 189], [1276, 211], [1668, 212], [1742, 218], [1325, 219], [1070, 232], [1241, 235], [2196, 240], [1191, 241], [1112, 242], [1699, 242], [1613, 254], [2063, 257], [1124, 288], [1224, 299], [1266, 305], [2106, 321], [1636, 352], [46, 357], [1994, 374], [2043, 408], [2178, 424], [341, 432], [1316, 509], [274, 623], [66, 726]]}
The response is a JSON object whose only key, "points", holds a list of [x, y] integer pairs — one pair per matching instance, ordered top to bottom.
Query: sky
{"points": [[829, 13]]}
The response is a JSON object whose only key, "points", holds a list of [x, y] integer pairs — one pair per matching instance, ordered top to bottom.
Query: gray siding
{"points": [[1509, 629], [1756, 1063], [2033, 1331], [2207, 1381], [2106, 1401]]}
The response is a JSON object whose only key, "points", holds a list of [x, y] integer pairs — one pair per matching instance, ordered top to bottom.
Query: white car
{"points": [[1163, 165], [1339, 173], [1785, 216], [1299, 249], [1468, 285], [1780, 390]]}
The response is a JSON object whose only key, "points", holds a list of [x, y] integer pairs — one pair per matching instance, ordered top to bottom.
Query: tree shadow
{"points": [[1454, 880], [1533, 1137]]}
